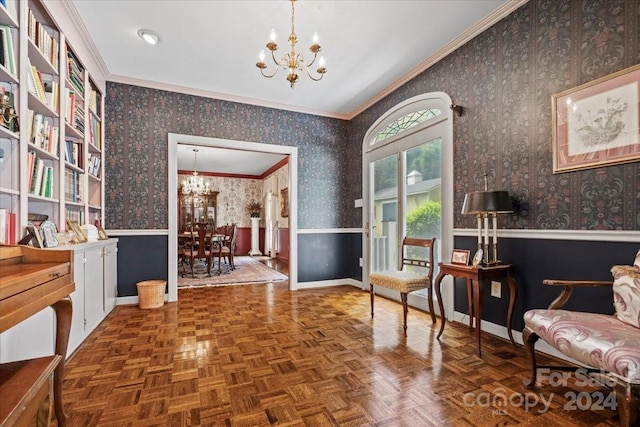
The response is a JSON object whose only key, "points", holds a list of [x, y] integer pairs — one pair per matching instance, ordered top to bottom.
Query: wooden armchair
{"points": [[419, 275], [607, 344]]}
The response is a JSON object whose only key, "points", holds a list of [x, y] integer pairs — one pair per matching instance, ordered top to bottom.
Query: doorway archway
{"points": [[172, 169]]}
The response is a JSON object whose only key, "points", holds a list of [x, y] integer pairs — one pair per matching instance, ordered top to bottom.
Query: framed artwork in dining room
{"points": [[597, 123], [284, 202]]}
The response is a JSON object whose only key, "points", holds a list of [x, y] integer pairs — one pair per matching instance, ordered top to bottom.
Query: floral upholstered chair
{"points": [[606, 343]]}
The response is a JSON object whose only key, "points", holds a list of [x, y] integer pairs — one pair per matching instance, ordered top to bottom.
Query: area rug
{"points": [[248, 270]]}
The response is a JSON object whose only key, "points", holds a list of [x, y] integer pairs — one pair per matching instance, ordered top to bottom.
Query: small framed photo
{"points": [[74, 227], [48, 229], [102, 235], [36, 237], [460, 257], [477, 258]]}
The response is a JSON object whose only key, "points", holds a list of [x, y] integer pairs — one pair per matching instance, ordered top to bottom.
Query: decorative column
{"points": [[255, 237]]}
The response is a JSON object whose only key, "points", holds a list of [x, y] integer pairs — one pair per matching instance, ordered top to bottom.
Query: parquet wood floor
{"points": [[260, 355]]}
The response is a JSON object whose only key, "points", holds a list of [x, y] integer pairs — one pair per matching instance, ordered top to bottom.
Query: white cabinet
{"points": [[110, 261], [95, 277], [93, 283]]}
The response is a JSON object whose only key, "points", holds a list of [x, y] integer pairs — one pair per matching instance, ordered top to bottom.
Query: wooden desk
{"points": [[475, 276], [30, 280]]}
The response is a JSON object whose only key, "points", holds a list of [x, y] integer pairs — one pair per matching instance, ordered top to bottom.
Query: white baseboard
{"points": [[326, 283], [133, 300], [501, 331]]}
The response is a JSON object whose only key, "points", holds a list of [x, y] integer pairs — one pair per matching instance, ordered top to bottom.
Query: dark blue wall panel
{"points": [[326, 256], [141, 258], [536, 260]]}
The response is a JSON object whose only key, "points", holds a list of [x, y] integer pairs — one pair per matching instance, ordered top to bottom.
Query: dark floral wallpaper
{"points": [[504, 78], [137, 123]]}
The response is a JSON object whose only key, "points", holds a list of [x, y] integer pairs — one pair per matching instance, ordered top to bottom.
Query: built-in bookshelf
{"points": [[51, 133], [10, 148]]}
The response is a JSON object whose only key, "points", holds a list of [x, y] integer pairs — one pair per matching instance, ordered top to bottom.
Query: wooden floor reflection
{"points": [[261, 355]]}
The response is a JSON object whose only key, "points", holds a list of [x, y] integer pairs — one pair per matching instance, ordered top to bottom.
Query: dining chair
{"points": [[200, 247], [228, 247]]}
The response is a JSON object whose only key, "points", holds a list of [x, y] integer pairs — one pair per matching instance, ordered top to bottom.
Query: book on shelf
{"points": [[46, 43], [8, 58], [75, 72], [35, 85], [51, 92], [71, 101], [94, 101], [43, 132], [94, 132], [72, 153], [31, 161], [93, 165], [47, 182], [36, 183], [72, 186], [75, 215], [7, 227]]}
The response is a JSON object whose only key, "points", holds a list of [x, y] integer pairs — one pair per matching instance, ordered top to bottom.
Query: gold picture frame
{"points": [[596, 124], [284, 202], [74, 227], [102, 235]]}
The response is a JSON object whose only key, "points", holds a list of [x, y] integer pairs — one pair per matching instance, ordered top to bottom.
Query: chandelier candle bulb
{"points": [[479, 231]]}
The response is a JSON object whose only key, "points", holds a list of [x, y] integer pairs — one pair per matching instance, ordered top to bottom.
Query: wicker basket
{"points": [[151, 293]]}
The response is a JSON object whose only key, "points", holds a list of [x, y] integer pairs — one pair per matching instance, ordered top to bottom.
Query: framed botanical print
{"points": [[596, 124]]}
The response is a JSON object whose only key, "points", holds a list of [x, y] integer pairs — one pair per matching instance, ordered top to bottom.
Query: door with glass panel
{"points": [[407, 167], [404, 199]]}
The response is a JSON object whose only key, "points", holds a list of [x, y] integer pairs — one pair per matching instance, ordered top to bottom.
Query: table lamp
{"points": [[485, 205]]}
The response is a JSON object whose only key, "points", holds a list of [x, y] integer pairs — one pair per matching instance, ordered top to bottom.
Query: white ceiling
{"points": [[210, 47], [226, 161]]}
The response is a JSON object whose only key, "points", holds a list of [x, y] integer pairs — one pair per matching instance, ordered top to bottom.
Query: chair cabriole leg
{"points": [[529, 337]]}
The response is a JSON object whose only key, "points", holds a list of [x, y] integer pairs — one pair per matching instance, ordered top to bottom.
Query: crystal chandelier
{"points": [[292, 61], [195, 185]]}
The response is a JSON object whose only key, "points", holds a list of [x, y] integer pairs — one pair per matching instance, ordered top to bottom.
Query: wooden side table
{"points": [[475, 276]]}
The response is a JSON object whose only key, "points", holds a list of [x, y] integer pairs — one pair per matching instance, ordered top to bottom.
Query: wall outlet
{"points": [[496, 289]]}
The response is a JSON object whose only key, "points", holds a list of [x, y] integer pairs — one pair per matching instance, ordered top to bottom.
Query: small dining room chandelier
{"points": [[293, 62], [195, 185]]}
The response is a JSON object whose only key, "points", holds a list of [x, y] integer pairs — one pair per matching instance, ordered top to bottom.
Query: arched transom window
{"points": [[405, 122]]}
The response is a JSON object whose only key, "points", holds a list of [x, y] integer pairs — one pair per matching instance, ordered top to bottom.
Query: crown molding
{"points": [[489, 20], [222, 96]]}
